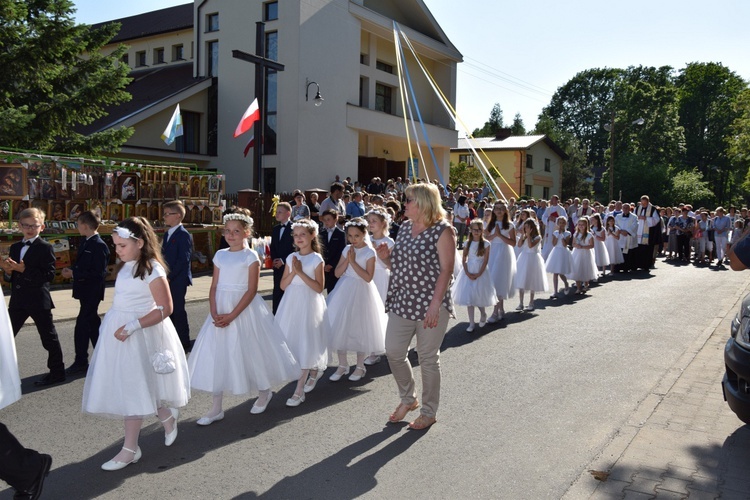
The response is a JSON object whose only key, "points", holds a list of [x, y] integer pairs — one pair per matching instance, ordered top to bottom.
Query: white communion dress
{"points": [[613, 248], [601, 255], [560, 260], [502, 265], [584, 265], [382, 273], [531, 274], [479, 292], [249, 355], [121, 380], [10, 381]]}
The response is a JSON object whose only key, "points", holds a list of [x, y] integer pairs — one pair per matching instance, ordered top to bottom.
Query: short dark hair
{"points": [[337, 186], [330, 212], [90, 219]]}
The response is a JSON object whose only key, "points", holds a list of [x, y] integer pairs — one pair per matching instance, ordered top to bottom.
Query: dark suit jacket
{"points": [[282, 246], [332, 250], [178, 252], [90, 269], [30, 289]]}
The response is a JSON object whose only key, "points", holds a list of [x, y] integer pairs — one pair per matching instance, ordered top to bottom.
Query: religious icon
{"points": [[13, 183], [213, 183], [127, 187], [18, 206], [74, 209], [56, 210]]}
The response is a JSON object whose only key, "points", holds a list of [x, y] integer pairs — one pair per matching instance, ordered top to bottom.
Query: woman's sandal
{"points": [[401, 410], [422, 423]]}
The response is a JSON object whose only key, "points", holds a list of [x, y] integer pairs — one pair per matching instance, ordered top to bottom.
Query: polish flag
{"points": [[251, 116], [249, 145]]}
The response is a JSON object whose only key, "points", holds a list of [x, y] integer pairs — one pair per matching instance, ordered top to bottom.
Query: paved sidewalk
{"points": [[66, 307], [683, 441]]}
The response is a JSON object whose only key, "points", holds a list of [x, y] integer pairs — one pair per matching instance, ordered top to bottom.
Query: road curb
{"points": [[586, 485]]}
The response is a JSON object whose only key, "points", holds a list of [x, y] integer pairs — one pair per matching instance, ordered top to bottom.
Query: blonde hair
{"points": [[427, 198], [175, 205], [32, 213]]}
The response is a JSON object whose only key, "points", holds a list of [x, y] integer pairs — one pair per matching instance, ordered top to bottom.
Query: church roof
{"points": [[177, 18]]}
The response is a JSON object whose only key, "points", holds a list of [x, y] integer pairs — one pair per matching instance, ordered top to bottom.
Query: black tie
{"points": [[27, 243]]}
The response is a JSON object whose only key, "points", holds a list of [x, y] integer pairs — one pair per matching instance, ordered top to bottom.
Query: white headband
{"points": [[385, 215], [240, 217], [356, 223], [307, 225], [125, 233]]}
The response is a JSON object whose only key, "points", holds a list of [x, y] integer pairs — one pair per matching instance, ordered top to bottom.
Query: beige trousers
{"points": [[398, 337]]}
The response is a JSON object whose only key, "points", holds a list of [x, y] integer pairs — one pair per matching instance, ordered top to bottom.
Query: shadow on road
{"points": [[342, 476]]}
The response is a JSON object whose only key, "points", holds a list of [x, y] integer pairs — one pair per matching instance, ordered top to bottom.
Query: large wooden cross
{"points": [[262, 65]]}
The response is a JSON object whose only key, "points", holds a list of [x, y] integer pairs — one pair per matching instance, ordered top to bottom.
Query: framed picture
{"points": [[174, 176], [184, 176], [13, 182], [109, 182], [213, 183], [195, 186], [204, 186], [127, 187], [34, 188], [48, 189], [183, 190], [170, 191], [213, 199], [42, 205], [18, 206], [97, 208], [73, 209], [128, 209], [141, 210], [56, 211], [114, 211], [154, 211], [195, 214], [207, 215], [218, 215], [54, 224], [65, 224]]}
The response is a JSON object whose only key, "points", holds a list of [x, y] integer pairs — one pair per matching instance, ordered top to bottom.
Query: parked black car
{"points": [[736, 383]]}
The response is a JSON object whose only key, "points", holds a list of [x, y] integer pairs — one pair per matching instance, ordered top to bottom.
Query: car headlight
{"points": [[743, 334]]}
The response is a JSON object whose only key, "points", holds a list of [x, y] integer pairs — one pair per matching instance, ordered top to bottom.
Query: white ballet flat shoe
{"points": [[520, 307], [492, 318], [482, 322], [470, 328], [372, 360], [337, 376], [356, 378], [312, 381], [295, 400], [256, 410], [210, 420], [170, 437], [115, 465]]}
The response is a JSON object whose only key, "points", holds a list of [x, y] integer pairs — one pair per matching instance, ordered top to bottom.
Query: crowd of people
{"points": [[364, 273]]}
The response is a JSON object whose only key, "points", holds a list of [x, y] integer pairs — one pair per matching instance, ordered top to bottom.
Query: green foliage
{"points": [[55, 79], [493, 125], [517, 128], [739, 146], [464, 174], [576, 175], [688, 186]]}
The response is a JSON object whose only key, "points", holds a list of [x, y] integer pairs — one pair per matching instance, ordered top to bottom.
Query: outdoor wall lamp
{"points": [[318, 100]]}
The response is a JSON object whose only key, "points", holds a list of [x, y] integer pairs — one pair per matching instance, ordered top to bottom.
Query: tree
{"points": [[55, 79], [707, 92], [493, 125], [517, 128], [739, 147], [461, 173], [576, 175], [688, 186]]}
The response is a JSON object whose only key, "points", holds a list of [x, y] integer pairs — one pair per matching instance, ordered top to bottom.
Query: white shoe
{"points": [[520, 307], [530, 307], [492, 318], [482, 322], [470, 328], [372, 360], [341, 371], [356, 378], [312, 381], [295, 400], [256, 409], [210, 420], [170, 437], [115, 465]]}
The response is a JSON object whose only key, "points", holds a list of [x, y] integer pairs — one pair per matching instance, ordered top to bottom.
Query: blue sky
{"points": [[519, 53]]}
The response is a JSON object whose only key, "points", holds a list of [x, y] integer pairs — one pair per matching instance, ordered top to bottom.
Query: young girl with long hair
{"points": [[379, 224], [502, 237], [612, 243], [601, 256], [559, 260], [584, 264], [531, 275], [474, 288], [355, 311], [301, 313], [239, 350], [121, 380]]}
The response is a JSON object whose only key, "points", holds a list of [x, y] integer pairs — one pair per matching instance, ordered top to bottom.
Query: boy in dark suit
{"points": [[334, 241], [282, 244], [177, 249], [31, 266], [88, 275]]}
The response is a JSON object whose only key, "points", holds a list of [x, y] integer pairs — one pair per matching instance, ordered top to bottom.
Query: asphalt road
{"points": [[526, 405]]}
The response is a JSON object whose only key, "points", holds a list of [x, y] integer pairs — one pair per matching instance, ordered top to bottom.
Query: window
{"points": [[271, 11], [212, 22], [272, 45], [178, 52], [159, 55], [140, 58], [213, 58], [125, 59], [363, 59], [384, 67], [362, 86], [383, 95], [270, 127], [190, 140], [468, 159], [529, 161], [547, 165], [527, 190], [545, 193]]}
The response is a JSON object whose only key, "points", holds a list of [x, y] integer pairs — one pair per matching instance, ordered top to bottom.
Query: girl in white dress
{"points": [[523, 216], [379, 221], [613, 244], [601, 255], [559, 260], [584, 264], [502, 267], [530, 272], [474, 288], [355, 311], [301, 313], [239, 350], [122, 381]]}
